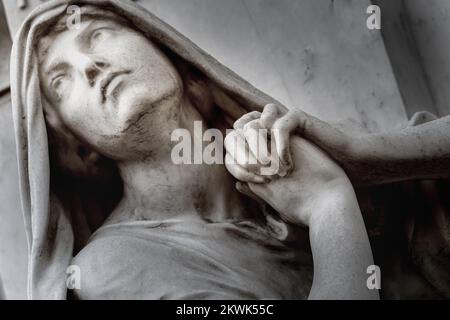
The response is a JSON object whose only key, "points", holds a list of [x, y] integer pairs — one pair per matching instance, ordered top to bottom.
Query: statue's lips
{"points": [[110, 83]]}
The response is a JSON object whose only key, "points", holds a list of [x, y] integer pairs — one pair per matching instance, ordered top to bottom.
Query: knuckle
{"points": [[270, 107], [271, 110], [254, 114], [246, 118], [268, 121], [286, 122], [280, 124], [252, 125]]}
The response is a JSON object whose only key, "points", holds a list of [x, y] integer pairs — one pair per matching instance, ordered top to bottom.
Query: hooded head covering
{"points": [[48, 224]]}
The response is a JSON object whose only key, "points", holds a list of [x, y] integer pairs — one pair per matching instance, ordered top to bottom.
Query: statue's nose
{"points": [[93, 70]]}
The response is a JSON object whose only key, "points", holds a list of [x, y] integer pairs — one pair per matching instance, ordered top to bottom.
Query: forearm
{"points": [[420, 152], [341, 249]]}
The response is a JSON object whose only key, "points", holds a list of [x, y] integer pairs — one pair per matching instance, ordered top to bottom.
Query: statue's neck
{"points": [[156, 188], [156, 191]]}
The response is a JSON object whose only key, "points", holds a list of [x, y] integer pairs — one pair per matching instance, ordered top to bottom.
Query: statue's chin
{"points": [[132, 100], [141, 114]]}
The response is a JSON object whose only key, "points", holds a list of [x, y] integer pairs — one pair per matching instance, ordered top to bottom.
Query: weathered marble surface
{"points": [[18, 11], [430, 24], [416, 37], [5, 49], [317, 55], [405, 57], [335, 69], [13, 247], [13, 251]]}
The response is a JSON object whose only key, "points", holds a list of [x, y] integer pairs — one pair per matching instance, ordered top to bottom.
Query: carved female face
{"points": [[109, 85]]}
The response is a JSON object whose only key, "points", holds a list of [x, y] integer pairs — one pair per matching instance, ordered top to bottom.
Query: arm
{"points": [[415, 152], [418, 152], [318, 194], [340, 247]]}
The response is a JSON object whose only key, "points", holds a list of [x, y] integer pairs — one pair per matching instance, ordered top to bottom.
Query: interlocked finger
{"points": [[242, 121]]}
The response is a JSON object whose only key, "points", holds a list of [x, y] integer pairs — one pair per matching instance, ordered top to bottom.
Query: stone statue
{"points": [[95, 106]]}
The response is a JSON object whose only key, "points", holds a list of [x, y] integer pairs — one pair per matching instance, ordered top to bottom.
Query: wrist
{"points": [[337, 193], [336, 202]]}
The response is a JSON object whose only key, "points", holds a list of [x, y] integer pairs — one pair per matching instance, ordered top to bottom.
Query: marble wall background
{"points": [[430, 24], [316, 55]]}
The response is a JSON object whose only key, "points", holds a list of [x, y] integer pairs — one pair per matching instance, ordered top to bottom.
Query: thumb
{"points": [[281, 137], [243, 188], [262, 191]]}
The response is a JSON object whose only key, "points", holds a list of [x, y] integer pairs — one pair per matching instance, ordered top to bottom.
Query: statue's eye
{"points": [[99, 35], [58, 83]]}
